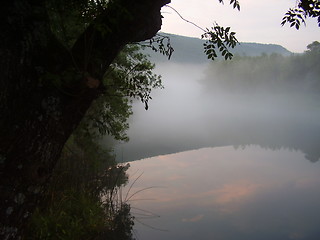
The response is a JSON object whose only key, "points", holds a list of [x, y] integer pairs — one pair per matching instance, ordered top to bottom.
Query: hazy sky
{"points": [[258, 21]]}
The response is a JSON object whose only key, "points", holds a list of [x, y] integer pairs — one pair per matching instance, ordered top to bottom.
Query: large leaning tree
{"points": [[47, 83], [46, 88]]}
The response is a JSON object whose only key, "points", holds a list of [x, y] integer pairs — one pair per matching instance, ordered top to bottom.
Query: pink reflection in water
{"points": [[223, 191]]}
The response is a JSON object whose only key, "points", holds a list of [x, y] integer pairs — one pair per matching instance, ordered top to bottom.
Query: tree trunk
{"points": [[40, 104]]}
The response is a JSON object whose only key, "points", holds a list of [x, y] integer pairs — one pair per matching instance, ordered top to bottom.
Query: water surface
{"points": [[255, 174], [225, 193]]}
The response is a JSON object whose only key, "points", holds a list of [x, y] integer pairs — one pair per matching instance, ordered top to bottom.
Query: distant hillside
{"points": [[190, 50]]}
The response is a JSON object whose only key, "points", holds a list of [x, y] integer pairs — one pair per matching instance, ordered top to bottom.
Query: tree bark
{"points": [[38, 113]]}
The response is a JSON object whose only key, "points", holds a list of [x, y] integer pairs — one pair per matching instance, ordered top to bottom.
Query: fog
{"points": [[200, 107]]}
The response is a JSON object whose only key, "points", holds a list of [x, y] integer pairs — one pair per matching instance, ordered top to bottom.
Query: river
{"points": [[223, 165]]}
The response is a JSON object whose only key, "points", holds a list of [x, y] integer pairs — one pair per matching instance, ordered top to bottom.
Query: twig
{"points": [[185, 19]]}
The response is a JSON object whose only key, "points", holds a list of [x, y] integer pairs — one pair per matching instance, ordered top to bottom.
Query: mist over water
{"points": [[198, 108], [229, 151]]}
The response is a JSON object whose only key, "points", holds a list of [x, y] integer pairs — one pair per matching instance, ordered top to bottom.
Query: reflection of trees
{"points": [[270, 133], [292, 135], [312, 158]]}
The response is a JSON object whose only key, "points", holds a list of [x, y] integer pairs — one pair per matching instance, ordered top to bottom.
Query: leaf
{"points": [[221, 38]]}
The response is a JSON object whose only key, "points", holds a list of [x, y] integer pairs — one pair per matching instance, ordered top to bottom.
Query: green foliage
{"points": [[234, 3], [305, 9], [295, 17], [68, 19], [219, 38], [160, 43], [314, 48], [131, 75], [108, 115], [84, 198], [83, 201], [71, 216], [76, 216], [121, 223]]}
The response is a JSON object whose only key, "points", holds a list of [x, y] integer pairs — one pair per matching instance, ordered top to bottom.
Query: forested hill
{"points": [[190, 50]]}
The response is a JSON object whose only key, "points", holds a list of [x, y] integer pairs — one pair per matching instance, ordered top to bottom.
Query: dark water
{"points": [[223, 165]]}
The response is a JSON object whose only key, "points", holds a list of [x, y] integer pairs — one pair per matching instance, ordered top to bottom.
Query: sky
{"points": [[257, 21]]}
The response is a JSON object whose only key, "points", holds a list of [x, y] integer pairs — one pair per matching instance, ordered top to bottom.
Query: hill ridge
{"points": [[190, 50]]}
